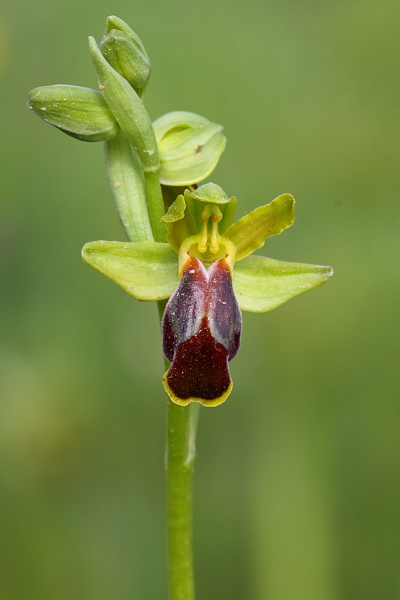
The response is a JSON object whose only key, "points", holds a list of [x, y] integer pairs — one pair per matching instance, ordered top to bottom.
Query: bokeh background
{"points": [[298, 474]]}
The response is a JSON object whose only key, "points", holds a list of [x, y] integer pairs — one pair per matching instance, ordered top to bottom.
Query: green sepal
{"points": [[125, 52], [78, 111], [190, 147], [127, 184], [211, 193], [249, 232], [146, 270], [262, 284]]}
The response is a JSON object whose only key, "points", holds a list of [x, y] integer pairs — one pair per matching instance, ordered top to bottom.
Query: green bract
{"points": [[128, 109], [78, 111], [130, 113], [190, 147], [128, 187]]}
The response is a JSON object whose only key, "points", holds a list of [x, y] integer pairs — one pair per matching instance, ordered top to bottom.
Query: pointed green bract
{"points": [[127, 108], [78, 111], [132, 117], [127, 184], [249, 233], [146, 270], [262, 284]]}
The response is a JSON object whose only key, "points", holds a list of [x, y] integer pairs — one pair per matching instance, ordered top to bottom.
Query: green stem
{"points": [[155, 203], [181, 452]]}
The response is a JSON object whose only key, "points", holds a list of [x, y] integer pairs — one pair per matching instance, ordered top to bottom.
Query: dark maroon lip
{"points": [[201, 332], [200, 367]]}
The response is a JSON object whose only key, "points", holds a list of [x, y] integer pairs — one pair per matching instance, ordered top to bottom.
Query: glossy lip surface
{"points": [[201, 334]]}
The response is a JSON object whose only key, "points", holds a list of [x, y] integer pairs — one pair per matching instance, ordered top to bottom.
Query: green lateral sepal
{"points": [[78, 111], [249, 233], [146, 270], [262, 284]]}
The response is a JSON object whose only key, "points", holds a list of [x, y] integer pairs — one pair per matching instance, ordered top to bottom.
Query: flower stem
{"points": [[155, 203], [182, 423], [181, 452]]}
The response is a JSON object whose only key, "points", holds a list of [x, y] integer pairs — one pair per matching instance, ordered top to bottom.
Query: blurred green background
{"points": [[298, 474]]}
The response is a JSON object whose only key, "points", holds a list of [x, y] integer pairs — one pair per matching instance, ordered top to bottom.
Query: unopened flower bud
{"points": [[124, 51], [78, 111], [189, 146]]}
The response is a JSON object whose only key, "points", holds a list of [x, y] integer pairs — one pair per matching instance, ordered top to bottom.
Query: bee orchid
{"points": [[201, 260], [207, 272]]}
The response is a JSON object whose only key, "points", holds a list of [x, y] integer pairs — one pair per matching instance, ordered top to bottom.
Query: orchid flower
{"points": [[193, 255], [206, 270]]}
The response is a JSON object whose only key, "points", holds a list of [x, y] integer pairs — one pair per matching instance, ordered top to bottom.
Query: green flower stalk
{"points": [[183, 247]]}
